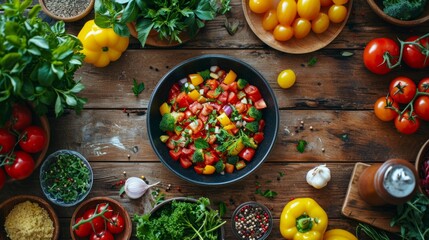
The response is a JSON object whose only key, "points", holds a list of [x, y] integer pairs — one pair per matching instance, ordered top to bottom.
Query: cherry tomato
{"points": [[340, 2], [326, 3], [259, 6], [308, 9], [286, 12], [337, 13], [270, 21], [320, 24], [301, 27], [283, 33], [373, 55], [413, 56], [286, 78], [424, 85], [402, 89], [252, 93], [421, 107], [382, 111], [21, 117], [407, 124], [33, 139], [7, 141], [247, 153], [21, 166], [2, 178], [102, 206], [97, 222], [116, 224], [83, 230], [102, 235]]}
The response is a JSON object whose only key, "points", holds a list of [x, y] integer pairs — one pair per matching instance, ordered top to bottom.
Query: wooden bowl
{"points": [[377, 7], [48, 10], [312, 42], [422, 156], [92, 203], [8, 205]]}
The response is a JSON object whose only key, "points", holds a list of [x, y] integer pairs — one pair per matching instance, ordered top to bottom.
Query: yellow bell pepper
{"points": [[101, 45], [230, 77], [196, 79], [194, 95], [164, 108], [223, 119], [208, 169], [303, 218], [339, 234]]}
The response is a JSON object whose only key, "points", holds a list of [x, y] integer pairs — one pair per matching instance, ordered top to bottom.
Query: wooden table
{"points": [[335, 97]]}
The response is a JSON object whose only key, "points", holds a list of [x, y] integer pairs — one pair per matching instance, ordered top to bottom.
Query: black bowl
{"points": [[201, 63]]}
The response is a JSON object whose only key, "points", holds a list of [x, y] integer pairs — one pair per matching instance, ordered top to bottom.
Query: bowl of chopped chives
{"points": [[66, 178]]}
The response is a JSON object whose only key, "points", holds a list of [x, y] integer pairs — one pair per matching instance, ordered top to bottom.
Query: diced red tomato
{"points": [[212, 84], [224, 86], [233, 87], [174, 91], [213, 93], [252, 93], [223, 97], [232, 98], [183, 100], [260, 104], [216, 106], [195, 107], [241, 107], [207, 109], [188, 114], [203, 118], [247, 118], [261, 125], [195, 126], [258, 137], [212, 139], [172, 142], [187, 151], [247, 153], [175, 154], [210, 158], [185, 162], [229, 168], [199, 169]]}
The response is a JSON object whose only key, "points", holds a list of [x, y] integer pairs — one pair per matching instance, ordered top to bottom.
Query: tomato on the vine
{"points": [[375, 53], [415, 57], [424, 85], [402, 89], [421, 107], [383, 109], [21, 117], [407, 124], [33, 139], [7, 141], [20, 166], [2, 178], [102, 206], [97, 222], [116, 224], [83, 230], [102, 235]]}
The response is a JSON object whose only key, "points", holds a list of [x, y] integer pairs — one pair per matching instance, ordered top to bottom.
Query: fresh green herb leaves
{"points": [[312, 61], [205, 74], [137, 87], [201, 143], [301, 145], [265, 193], [222, 209], [372, 233]]}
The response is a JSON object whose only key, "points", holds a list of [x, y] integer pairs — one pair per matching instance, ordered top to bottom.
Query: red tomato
{"points": [[374, 55], [413, 55], [212, 84], [424, 85], [233, 87], [402, 89], [174, 91], [252, 93], [223, 97], [232, 98], [183, 100], [260, 104], [421, 107], [382, 109], [21, 117], [407, 124], [261, 125], [195, 126], [258, 137], [33, 139], [7, 141], [172, 141], [247, 153], [175, 155], [210, 158], [185, 162], [22, 165], [199, 169], [2, 178], [108, 213], [97, 222], [116, 224], [83, 230], [102, 235]]}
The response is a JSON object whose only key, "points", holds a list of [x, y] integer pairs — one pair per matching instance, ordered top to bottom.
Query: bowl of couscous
{"points": [[28, 217]]}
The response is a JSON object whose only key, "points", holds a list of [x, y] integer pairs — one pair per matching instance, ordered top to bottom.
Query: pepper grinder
{"points": [[393, 182]]}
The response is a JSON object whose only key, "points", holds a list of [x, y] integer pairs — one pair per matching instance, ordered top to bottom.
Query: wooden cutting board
{"points": [[356, 208]]}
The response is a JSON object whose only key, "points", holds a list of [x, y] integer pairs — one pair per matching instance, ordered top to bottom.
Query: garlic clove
{"points": [[319, 176], [136, 187]]}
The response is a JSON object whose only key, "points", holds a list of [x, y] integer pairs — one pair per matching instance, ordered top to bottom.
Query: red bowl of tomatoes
{"points": [[206, 120], [24, 141], [109, 218]]}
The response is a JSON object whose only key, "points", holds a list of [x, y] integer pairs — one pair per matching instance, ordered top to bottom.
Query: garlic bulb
{"points": [[319, 176], [135, 187]]}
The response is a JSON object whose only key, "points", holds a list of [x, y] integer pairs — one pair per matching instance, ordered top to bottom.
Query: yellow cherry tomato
{"points": [[340, 2], [326, 3], [260, 6], [308, 9], [286, 11], [337, 13], [270, 21], [321, 23], [301, 27], [282, 33], [286, 78]]}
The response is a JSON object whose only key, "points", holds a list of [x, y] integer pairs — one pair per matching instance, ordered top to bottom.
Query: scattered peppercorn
{"points": [[252, 221]]}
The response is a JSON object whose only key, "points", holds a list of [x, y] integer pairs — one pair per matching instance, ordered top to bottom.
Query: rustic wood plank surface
{"points": [[335, 97]]}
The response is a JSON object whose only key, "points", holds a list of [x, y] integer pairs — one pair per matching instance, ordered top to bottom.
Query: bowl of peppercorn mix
{"points": [[66, 10], [252, 220]]}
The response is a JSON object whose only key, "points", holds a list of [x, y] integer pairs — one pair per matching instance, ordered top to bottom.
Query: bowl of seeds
{"points": [[66, 10], [252, 220]]}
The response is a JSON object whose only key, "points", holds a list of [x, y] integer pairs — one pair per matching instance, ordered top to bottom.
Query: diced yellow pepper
{"points": [[230, 77], [196, 79], [194, 95], [202, 99], [165, 108], [223, 119], [229, 126], [164, 138], [235, 148], [208, 169]]}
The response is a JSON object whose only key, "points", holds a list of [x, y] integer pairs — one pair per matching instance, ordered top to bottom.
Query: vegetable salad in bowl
{"points": [[212, 121]]}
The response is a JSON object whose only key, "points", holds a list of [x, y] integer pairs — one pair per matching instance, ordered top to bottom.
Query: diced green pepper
{"points": [[241, 83], [240, 165]]}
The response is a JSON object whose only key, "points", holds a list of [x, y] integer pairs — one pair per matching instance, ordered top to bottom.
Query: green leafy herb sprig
{"points": [[169, 18], [37, 61], [137, 87], [67, 178]]}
